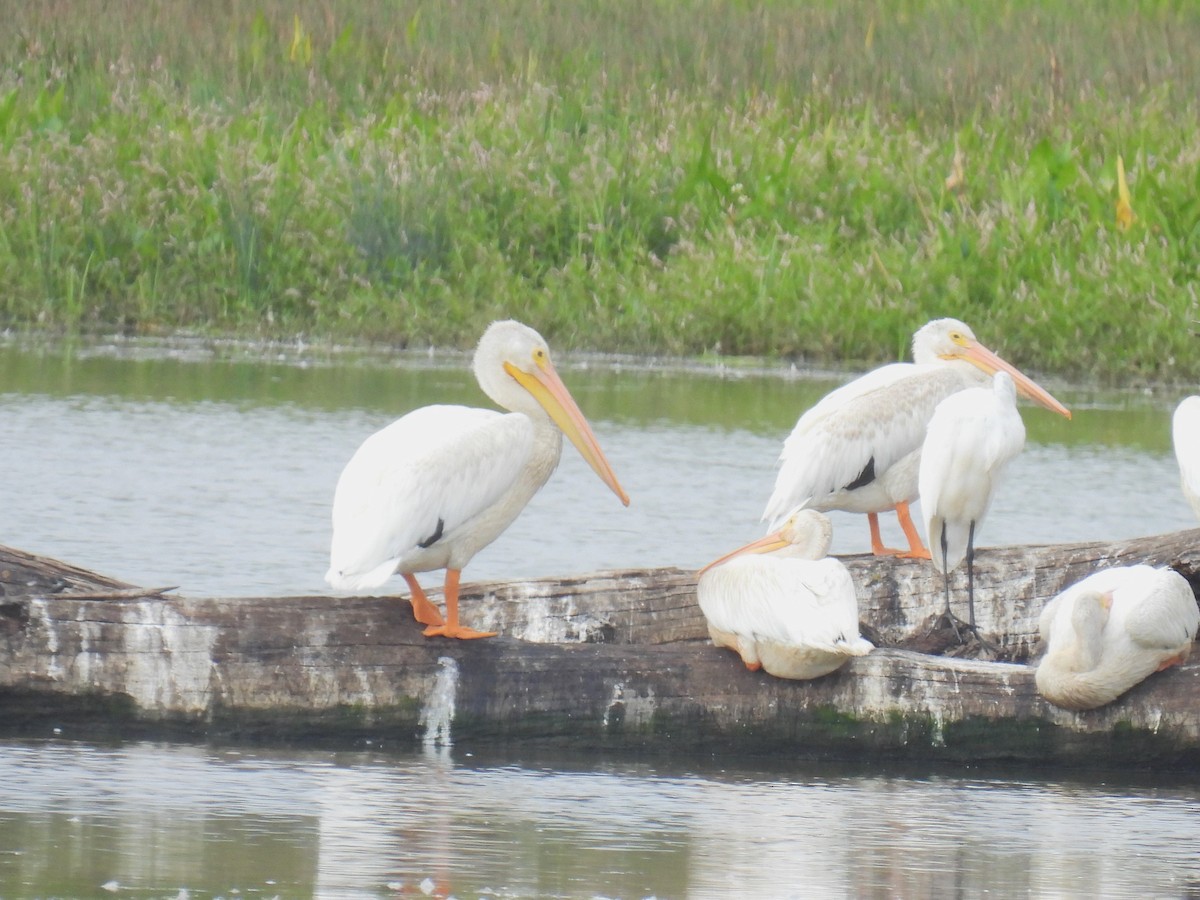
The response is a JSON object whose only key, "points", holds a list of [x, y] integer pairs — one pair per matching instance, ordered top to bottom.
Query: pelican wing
{"points": [[840, 397], [858, 432], [971, 438], [969, 441], [948, 455], [420, 478], [1115, 578], [803, 603], [1153, 607], [823, 612], [1162, 615], [1056, 616]]}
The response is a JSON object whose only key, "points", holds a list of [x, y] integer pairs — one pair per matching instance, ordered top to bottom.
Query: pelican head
{"points": [[950, 339], [512, 365], [805, 534]]}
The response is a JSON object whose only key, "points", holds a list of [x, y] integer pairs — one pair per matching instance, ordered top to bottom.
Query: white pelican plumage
{"points": [[1185, 435], [972, 437], [859, 448], [439, 484], [792, 612], [1111, 630]]}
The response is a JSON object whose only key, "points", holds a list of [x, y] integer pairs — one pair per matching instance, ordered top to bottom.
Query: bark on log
{"points": [[608, 660]]}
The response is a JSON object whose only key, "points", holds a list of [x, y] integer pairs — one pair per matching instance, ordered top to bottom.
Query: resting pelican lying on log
{"points": [[1185, 435], [972, 437], [859, 448], [438, 485], [792, 612], [1106, 633]]}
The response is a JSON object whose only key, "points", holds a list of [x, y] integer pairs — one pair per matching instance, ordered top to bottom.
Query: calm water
{"points": [[201, 468], [217, 474], [155, 821]]}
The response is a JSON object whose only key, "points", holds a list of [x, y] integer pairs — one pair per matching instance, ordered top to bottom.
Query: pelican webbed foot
{"points": [[451, 628], [461, 632], [967, 632], [966, 637], [1177, 660]]}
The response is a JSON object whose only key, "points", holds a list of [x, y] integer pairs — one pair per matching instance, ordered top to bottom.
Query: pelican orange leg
{"points": [[877, 546], [916, 548], [423, 611], [451, 628]]}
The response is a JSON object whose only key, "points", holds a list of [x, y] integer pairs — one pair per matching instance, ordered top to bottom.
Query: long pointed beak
{"points": [[989, 362], [548, 389], [767, 544]]}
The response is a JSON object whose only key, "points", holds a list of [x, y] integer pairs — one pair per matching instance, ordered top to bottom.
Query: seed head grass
{"points": [[805, 182]]}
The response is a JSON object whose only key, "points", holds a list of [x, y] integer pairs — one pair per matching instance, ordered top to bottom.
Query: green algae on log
{"points": [[612, 660]]}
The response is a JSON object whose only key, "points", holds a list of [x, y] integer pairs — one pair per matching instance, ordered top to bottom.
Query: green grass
{"points": [[676, 178]]}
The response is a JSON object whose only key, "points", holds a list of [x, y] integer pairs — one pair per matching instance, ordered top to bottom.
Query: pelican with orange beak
{"points": [[859, 448], [439, 484], [783, 605]]}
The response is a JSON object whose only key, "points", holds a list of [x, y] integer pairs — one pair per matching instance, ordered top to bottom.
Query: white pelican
{"points": [[1185, 435], [972, 437], [859, 448], [439, 484], [791, 612], [1106, 633]]}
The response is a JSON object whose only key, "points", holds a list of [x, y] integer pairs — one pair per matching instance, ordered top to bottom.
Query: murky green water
{"points": [[206, 468]]}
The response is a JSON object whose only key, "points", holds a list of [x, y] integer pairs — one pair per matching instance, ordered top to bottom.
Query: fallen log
{"points": [[611, 660]]}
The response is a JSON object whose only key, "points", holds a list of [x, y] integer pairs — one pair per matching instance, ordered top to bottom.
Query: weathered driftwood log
{"points": [[22, 574], [609, 660]]}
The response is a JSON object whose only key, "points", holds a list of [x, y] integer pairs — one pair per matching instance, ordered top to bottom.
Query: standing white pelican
{"points": [[1185, 435], [972, 437], [859, 448], [439, 484], [792, 612], [1111, 630]]}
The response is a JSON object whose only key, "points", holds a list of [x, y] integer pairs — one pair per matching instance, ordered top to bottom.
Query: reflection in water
{"points": [[73, 818], [157, 819]]}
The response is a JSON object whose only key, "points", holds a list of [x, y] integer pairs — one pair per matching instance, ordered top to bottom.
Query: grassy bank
{"points": [[671, 177]]}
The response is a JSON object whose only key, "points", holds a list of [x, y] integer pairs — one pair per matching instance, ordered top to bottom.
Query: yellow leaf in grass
{"points": [[1125, 214]]}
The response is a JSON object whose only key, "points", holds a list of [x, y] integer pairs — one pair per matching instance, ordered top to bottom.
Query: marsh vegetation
{"points": [[795, 181]]}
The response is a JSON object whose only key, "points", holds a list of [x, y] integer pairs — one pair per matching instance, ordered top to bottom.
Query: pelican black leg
{"points": [[971, 577], [950, 616], [986, 644]]}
